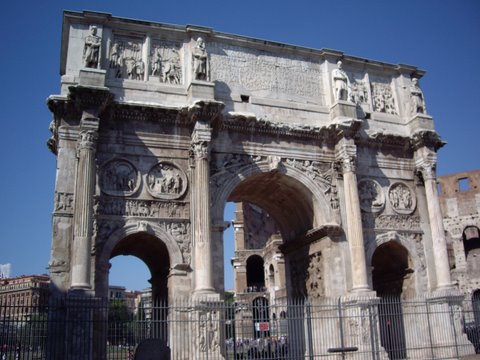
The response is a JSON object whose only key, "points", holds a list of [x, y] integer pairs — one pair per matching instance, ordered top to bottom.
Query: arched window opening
{"points": [[471, 245], [255, 274], [271, 277], [260, 318]]}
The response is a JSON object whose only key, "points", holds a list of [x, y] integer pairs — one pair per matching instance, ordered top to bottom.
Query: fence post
{"points": [[309, 331]]}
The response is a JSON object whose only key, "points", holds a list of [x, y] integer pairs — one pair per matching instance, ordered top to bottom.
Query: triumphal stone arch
{"points": [[157, 126]]}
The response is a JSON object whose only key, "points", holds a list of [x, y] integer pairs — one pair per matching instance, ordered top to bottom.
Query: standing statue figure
{"points": [[91, 49], [200, 60], [341, 83], [417, 100]]}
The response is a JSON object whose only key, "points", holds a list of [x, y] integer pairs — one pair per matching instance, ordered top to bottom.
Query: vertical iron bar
{"points": [[340, 319], [309, 329], [429, 329]]}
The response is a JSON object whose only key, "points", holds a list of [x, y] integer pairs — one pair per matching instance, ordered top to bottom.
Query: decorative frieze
{"points": [[140, 208], [391, 222]]}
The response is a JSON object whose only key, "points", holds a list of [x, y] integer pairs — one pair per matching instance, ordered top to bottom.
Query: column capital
{"points": [[87, 139], [200, 149], [346, 156]]}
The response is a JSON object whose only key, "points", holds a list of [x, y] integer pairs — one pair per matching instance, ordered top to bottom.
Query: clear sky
{"points": [[441, 37]]}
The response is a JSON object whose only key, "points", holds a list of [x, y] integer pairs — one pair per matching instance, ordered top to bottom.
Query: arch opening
{"points": [[284, 198], [471, 245], [391, 268], [255, 273], [154, 301]]}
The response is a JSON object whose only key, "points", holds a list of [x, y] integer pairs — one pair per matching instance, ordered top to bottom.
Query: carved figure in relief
{"points": [[91, 49], [200, 60], [156, 62], [171, 69], [341, 83], [359, 93], [383, 100], [417, 100], [118, 176], [165, 179], [370, 196], [401, 198], [314, 276]]}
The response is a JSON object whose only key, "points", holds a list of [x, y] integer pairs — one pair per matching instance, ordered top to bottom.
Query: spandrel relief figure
{"points": [[91, 49], [200, 60], [341, 83], [416, 98]]}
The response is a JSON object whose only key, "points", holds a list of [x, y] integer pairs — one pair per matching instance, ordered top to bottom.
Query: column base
{"points": [[207, 295]]}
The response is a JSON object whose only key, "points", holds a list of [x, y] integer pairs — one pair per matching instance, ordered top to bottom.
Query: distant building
{"points": [[460, 203], [116, 293], [24, 295], [133, 300]]}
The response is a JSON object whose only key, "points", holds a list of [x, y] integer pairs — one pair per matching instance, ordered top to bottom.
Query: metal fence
{"points": [[345, 328]]}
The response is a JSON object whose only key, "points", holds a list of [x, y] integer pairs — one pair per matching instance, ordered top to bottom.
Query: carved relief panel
{"points": [[125, 58], [166, 62], [383, 99], [119, 177], [166, 181], [371, 195], [401, 198], [63, 202], [314, 276]]}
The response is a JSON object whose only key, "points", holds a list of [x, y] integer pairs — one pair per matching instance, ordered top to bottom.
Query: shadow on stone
{"points": [[152, 349]]}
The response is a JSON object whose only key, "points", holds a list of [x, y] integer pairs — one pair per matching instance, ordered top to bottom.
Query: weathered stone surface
{"points": [[157, 126]]}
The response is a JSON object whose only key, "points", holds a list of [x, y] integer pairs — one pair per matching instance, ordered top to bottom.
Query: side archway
{"points": [[150, 243]]}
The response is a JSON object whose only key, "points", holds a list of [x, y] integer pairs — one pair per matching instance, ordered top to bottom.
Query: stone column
{"points": [[90, 102], [202, 113], [201, 212], [83, 217], [354, 224], [442, 268]]}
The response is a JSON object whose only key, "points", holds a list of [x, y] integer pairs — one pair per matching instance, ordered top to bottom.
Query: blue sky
{"points": [[441, 37]]}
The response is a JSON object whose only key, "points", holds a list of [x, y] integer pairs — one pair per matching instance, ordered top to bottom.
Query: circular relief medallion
{"points": [[119, 177], [166, 181], [371, 195], [401, 198]]}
